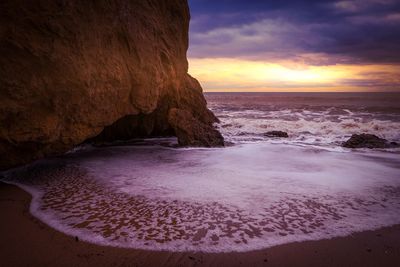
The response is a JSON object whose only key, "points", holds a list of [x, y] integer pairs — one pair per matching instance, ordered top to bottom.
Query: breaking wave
{"points": [[324, 120], [303, 127]]}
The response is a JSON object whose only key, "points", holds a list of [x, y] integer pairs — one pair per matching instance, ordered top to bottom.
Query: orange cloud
{"points": [[227, 74]]}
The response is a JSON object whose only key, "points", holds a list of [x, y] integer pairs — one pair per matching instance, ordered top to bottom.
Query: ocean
{"points": [[317, 119], [257, 192]]}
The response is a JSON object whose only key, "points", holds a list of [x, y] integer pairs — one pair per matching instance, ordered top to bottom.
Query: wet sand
{"points": [[26, 241]]}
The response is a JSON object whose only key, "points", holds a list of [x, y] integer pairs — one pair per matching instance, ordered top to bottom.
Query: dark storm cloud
{"points": [[354, 31]]}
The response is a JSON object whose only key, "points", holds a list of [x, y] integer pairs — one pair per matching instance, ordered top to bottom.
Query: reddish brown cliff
{"points": [[69, 69]]}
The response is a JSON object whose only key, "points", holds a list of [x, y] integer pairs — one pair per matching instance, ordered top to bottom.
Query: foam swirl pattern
{"points": [[234, 199]]}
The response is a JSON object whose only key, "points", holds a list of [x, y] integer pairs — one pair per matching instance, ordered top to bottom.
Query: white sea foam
{"points": [[304, 127], [234, 199]]}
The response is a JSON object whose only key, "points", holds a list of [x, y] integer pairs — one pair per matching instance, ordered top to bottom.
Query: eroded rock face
{"points": [[69, 69], [193, 132], [280, 134], [368, 141]]}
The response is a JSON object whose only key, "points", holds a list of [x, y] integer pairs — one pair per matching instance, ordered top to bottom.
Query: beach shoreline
{"points": [[26, 241]]}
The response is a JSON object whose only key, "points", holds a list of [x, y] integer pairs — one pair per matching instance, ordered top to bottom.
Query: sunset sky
{"points": [[321, 45]]}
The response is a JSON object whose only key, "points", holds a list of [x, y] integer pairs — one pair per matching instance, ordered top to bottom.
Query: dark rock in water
{"points": [[101, 70], [192, 132], [277, 134], [367, 141]]}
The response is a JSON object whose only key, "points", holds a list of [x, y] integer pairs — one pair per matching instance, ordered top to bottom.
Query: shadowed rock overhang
{"points": [[73, 70]]}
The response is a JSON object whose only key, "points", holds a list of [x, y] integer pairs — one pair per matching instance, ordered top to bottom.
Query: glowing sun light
{"points": [[239, 74], [284, 74]]}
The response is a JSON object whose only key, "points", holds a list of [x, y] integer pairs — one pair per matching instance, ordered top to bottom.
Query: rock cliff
{"points": [[103, 70]]}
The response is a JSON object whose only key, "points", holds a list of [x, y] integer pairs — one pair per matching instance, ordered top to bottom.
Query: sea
{"points": [[323, 120], [255, 193]]}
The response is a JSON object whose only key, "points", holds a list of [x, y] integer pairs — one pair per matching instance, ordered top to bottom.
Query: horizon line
{"points": [[361, 92]]}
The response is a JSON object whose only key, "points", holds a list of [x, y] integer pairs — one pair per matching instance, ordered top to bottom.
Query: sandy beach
{"points": [[26, 241]]}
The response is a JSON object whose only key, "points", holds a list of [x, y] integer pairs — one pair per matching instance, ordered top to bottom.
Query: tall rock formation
{"points": [[104, 70]]}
